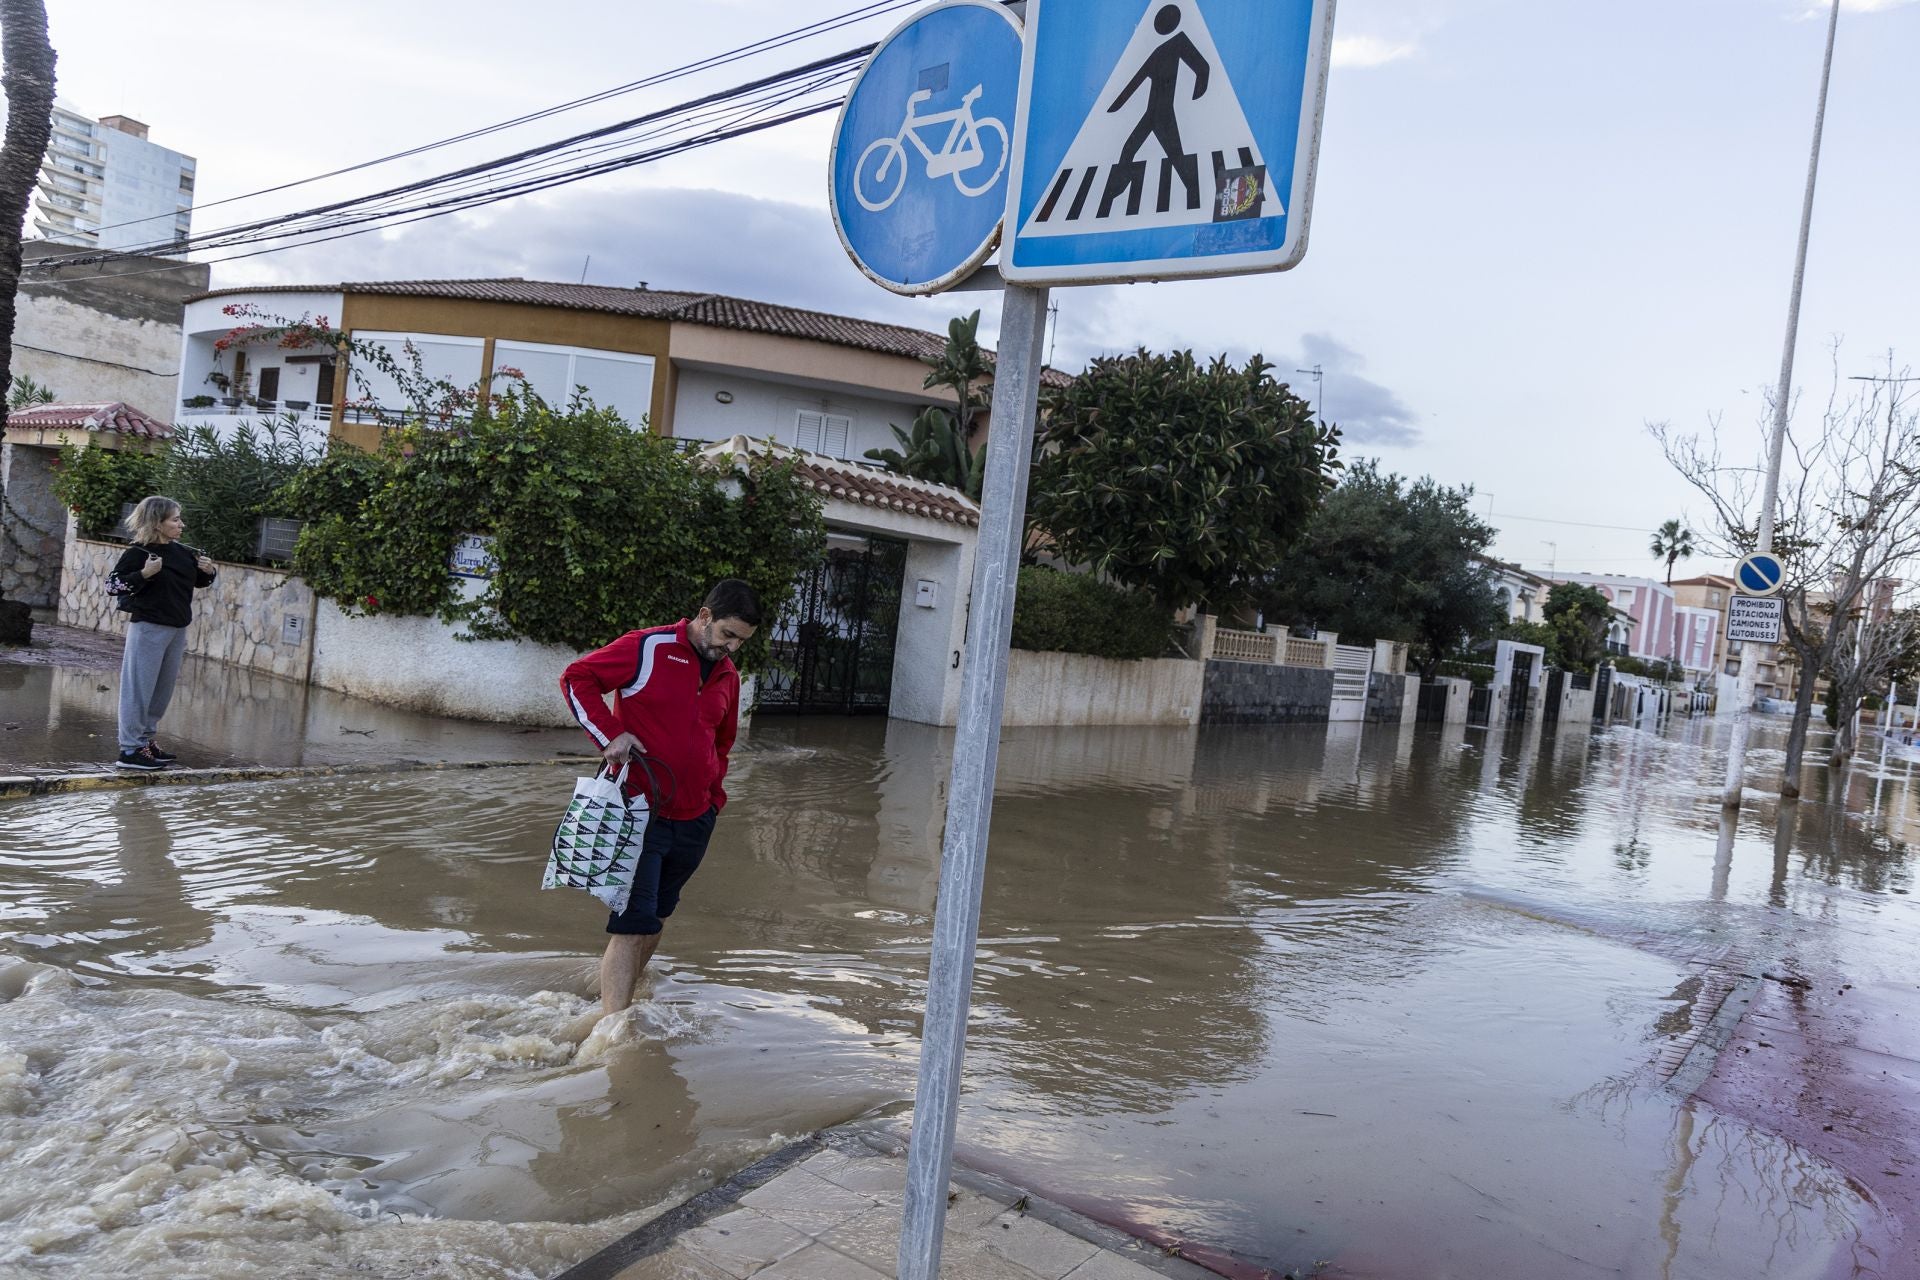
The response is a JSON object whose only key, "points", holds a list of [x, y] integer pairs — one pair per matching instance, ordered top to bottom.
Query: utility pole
{"points": [[1319, 392], [1553, 559], [1750, 653]]}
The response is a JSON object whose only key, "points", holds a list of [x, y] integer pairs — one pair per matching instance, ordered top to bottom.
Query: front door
{"points": [[832, 651]]}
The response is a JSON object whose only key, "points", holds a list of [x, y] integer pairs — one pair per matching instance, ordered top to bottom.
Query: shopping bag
{"points": [[597, 844]]}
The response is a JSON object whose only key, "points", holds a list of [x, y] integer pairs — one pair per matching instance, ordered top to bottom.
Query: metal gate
{"points": [[832, 651], [1352, 672], [1520, 688]]}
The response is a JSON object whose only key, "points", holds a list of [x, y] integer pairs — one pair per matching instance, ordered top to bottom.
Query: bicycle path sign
{"points": [[1161, 139], [919, 165]]}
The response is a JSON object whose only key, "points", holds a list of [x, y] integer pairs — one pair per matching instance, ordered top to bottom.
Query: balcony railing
{"points": [[305, 412]]}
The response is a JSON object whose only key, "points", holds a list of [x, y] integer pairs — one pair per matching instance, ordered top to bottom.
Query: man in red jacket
{"points": [[677, 702]]}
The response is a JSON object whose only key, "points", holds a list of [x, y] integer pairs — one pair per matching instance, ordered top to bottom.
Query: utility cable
{"points": [[767, 45]]}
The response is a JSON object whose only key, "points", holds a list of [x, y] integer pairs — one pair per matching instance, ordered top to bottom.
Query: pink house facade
{"points": [[1663, 629]]}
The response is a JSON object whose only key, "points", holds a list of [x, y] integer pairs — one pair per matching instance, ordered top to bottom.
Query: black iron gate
{"points": [[833, 649], [1520, 689]]}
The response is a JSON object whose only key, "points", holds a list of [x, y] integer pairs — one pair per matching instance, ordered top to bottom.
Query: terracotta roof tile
{"points": [[715, 310], [122, 418], [863, 485]]}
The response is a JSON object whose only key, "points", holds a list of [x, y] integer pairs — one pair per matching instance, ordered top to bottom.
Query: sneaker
{"points": [[164, 757], [141, 759]]}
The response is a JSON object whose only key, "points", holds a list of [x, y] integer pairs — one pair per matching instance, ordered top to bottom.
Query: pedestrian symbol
{"points": [[1162, 138], [1115, 178]]}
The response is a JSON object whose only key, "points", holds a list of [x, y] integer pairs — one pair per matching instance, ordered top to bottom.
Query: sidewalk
{"points": [[59, 708], [828, 1208]]}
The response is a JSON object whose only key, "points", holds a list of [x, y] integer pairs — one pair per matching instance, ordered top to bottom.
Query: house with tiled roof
{"points": [[878, 628]]}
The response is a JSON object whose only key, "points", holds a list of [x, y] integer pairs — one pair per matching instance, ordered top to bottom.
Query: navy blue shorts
{"points": [[669, 856]]}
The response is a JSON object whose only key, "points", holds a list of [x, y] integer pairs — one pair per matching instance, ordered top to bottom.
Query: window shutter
{"points": [[807, 430], [833, 435]]}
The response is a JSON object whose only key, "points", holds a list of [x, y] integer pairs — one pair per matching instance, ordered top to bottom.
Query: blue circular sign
{"points": [[919, 166], [1759, 574]]}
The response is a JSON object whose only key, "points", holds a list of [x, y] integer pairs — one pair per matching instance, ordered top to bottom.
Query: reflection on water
{"points": [[1390, 997]]}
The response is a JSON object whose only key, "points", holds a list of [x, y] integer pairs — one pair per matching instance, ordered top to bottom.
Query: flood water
{"points": [[1395, 999]]}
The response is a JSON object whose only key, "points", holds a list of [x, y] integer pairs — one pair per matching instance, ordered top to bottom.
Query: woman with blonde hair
{"points": [[154, 579]]}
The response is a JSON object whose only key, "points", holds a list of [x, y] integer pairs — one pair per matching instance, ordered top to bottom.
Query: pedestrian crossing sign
{"points": [[1162, 139]]}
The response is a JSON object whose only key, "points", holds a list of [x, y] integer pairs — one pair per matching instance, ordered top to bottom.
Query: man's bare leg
{"points": [[621, 964]]}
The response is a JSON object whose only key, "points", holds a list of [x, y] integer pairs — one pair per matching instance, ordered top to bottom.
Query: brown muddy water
{"points": [[1395, 999]]}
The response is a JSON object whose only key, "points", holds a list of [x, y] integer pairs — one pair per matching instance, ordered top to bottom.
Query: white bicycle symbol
{"points": [[961, 153]]}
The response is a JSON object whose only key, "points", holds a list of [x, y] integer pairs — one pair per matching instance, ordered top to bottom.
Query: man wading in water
{"points": [[677, 702]]}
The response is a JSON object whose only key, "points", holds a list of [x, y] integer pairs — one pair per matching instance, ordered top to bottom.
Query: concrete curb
{"points": [[19, 786]]}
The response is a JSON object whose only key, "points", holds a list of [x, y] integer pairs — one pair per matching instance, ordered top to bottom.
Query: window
{"points": [[455, 359], [613, 379], [822, 432], [1714, 597]]}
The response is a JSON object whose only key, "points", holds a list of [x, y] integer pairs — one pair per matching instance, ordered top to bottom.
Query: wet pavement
{"points": [[59, 704], [1384, 1002]]}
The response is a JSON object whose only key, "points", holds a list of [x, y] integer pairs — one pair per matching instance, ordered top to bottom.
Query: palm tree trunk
{"points": [[28, 81]]}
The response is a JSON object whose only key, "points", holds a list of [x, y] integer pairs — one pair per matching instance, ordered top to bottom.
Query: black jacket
{"points": [[167, 597]]}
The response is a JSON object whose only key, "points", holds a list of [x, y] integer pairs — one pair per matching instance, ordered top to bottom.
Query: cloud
{"points": [[1375, 51], [1366, 411]]}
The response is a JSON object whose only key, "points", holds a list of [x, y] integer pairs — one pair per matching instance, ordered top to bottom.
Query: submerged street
{"points": [[1387, 1001]]}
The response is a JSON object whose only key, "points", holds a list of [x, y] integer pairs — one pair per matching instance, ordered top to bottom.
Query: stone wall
{"points": [[32, 528], [260, 619], [1074, 689], [1259, 693], [1392, 699]]}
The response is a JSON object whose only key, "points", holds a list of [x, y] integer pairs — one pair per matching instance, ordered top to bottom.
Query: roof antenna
{"points": [[583, 268]]}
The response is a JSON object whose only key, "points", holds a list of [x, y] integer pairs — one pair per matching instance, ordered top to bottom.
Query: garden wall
{"points": [[260, 619], [419, 665], [1075, 689], [1261, 693]]}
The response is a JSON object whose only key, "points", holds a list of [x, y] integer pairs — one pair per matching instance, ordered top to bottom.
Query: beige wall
{"points": [[775, 354], [1074, 689]]}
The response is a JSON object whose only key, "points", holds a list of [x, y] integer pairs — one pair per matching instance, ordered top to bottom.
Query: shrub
{"points": [[94, 483], [224, 486], [598, 528], [1076, 613]]}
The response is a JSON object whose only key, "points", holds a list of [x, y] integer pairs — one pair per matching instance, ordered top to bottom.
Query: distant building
{"points": [[103, 185], [1523, 595], [1647, 601]]}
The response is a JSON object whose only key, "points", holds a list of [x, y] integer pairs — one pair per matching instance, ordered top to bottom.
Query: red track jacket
{"points": [[661, 701]]}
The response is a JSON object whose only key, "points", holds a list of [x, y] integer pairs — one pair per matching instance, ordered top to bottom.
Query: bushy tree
{"points": [[1184, 480], [1385, 558], [1578, 616]]}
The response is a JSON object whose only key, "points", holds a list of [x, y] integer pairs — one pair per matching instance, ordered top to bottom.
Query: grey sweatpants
{"points": [[147, 671]]}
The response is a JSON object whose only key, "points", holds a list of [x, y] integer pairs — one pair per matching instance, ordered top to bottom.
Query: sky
{"points": [[1539, 225]]}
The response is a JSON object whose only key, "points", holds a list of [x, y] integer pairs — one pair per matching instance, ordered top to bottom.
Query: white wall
{"points": [[762, 408], [930, 644], [417, 665]]}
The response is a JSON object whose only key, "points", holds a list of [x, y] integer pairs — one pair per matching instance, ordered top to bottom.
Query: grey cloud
{"points": [[1368, 413]]}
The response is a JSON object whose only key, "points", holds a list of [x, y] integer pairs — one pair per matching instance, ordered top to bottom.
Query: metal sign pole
{"points": [[1750, 654], [976, 752]]}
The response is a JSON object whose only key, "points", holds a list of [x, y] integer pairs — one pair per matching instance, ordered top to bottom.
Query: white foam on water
{"points": [[149, 1133]]}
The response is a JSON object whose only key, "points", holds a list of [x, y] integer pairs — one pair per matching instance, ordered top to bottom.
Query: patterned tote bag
{"points": [[597, 844]]}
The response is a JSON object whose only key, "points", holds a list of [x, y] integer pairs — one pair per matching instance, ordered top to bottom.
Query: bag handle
{"points": [[657, 798]]}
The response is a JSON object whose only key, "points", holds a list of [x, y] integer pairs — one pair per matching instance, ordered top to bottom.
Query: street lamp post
{"points": [[1749, 653]]}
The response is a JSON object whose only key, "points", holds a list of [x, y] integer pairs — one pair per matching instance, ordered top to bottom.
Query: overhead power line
{"points": [[767, 45], [752, 96]]}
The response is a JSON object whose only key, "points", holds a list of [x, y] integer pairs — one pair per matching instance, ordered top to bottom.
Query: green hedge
{"points": [[95, 483], [1076, 613]]}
